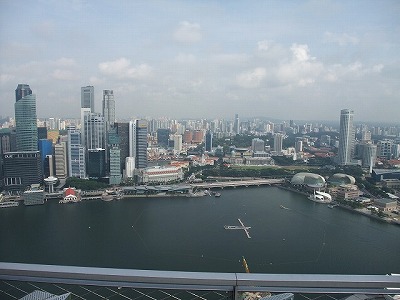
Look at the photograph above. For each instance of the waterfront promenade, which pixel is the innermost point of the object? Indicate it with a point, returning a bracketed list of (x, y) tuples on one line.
[(236, 183)]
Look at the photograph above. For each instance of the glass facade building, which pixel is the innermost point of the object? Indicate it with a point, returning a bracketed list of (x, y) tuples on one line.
[(346, 137), (25, 119)]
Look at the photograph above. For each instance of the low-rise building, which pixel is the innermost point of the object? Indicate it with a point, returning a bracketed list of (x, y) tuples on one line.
[(386, 204), (34, 197), (161, 174), (347, 192), (391, 183)]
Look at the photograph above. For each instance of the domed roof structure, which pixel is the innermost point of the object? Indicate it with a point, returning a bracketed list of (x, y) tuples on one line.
[(340, 178), (310, 179)]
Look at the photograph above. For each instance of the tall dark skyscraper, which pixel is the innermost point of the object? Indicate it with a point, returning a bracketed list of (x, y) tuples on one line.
[(208, 142), (87, 97), (346, 137), (25, 119)]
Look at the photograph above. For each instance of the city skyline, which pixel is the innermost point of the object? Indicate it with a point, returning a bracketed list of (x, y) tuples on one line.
[(303, 60)]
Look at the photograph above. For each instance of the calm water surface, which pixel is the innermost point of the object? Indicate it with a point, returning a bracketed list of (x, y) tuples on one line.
[(188, 234)]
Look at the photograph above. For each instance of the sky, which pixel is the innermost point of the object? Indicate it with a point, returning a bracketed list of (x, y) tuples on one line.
[(301, 60)]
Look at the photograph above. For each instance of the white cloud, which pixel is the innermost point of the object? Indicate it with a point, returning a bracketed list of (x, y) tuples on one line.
[(302, 70), (301, 53), (251, 79), (65, 75), (121, 68), (188, 32), (342, 39), (263, 45)]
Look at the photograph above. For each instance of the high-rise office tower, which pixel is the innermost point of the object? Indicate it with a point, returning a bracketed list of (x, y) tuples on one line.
[(108, 108), (208, 141), (236, 125), (25, 119), (278, 142), (21, 169), (257, 145), (369, 155), (60, 160), (346, 137), (177, 138), (93, 128), (385, 148), (123, 135), (76, 154), (87, 97), (138, 143), (163, 137)]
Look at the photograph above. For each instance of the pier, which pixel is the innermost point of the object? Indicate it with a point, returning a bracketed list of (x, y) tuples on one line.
[(236, 183), (242, 227)]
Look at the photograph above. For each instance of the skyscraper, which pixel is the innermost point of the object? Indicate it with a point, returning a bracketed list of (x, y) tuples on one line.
[(93, 128), (208, 141), (25, 119), (346, 137), (278, 142), (87, 97), (108, 108), (76, 154), (236, 125), (138, 143)]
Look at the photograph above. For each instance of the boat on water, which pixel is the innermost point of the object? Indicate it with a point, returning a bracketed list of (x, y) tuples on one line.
[(332, 205), (6, 204), (283, 207), (320, 197), (217, 195)]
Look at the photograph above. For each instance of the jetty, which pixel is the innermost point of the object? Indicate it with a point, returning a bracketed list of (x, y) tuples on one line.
[(241, 227)]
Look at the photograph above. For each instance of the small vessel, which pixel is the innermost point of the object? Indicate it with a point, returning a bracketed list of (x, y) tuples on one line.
[(217, 195), (320, 197), (283, 207), (332, 205), (8, 204)]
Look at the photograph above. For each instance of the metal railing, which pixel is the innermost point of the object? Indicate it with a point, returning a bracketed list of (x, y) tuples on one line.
[(229, 283)]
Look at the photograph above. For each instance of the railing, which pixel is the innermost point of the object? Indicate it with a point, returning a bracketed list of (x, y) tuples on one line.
[(230, 284)]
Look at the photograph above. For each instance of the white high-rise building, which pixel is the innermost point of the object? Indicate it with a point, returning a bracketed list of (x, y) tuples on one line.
[(60, 158), (177, 142), (257, 145), (108, 108), (346, 137), (278, 142), (76, 154)]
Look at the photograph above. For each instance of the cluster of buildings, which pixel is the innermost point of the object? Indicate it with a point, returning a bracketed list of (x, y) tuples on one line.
[(97, 146)]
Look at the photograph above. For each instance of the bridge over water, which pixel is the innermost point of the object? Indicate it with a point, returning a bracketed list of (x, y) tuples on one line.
[(237, 183)]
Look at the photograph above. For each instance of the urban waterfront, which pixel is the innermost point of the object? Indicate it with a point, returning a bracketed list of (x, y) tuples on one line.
[(188, 234)]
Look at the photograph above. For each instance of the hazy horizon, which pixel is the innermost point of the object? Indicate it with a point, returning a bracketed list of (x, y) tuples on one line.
[(300, 60)]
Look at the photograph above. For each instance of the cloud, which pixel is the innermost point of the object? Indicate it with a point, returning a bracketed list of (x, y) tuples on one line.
[(263, 45), (121, 68), (301, 53), (188, 33), (302, 70), (342, 39), (65, 75), (251, 79)]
